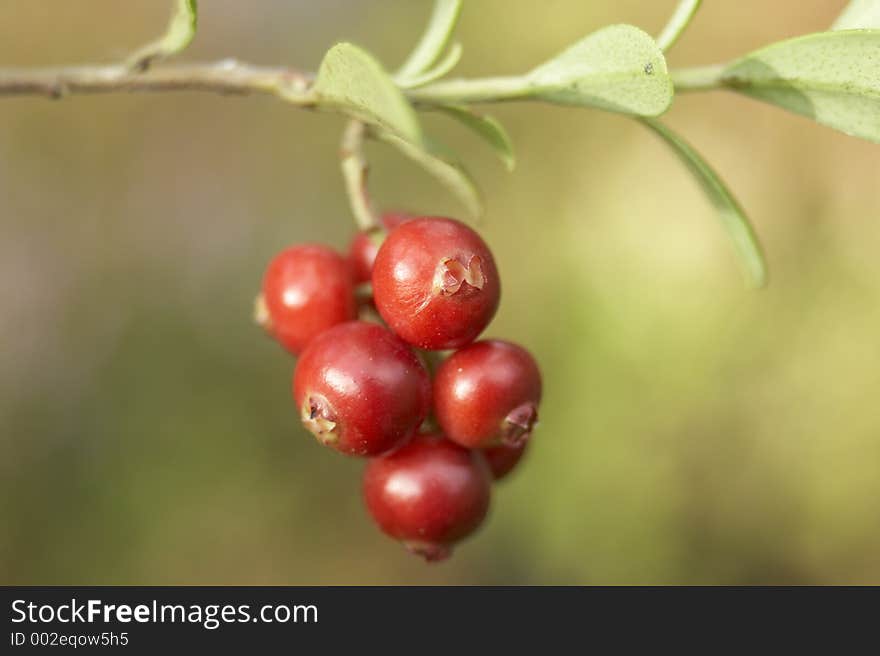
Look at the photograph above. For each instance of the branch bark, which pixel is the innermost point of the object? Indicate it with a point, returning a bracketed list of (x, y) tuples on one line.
[(224, 77)]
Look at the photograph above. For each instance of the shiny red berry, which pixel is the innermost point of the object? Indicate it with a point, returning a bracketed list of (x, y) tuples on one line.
[(503, 458), (360, 389), (306, 289), (429, 494), (365, 245), (488, 393), (435, 283)]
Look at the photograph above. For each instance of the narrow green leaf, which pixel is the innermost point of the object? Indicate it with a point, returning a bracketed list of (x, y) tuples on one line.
[(618, 69), (180, 33), (351, 81), (859, 14), (487, 127), (444, 167), (830, 77), (434, 40), (678, 22), (732, 216), (453, 56)]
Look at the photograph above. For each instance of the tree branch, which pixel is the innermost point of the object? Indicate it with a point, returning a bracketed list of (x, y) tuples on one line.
[(225, 77)]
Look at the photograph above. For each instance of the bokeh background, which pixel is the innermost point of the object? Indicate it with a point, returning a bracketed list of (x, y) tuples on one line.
[(693, 431)]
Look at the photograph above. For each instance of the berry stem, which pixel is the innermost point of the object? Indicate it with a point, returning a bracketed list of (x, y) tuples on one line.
[(432, 359), (355, 170)]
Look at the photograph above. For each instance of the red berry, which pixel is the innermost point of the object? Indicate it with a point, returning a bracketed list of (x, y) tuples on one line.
[(365, 245), (488, 393), (503, 458), (435, 283), (429, 494), (360, 389), (306, 289)]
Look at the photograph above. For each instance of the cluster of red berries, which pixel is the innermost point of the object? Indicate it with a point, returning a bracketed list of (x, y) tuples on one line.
[(363, 388)]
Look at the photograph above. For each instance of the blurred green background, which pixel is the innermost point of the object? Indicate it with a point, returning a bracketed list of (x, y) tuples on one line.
[(693, 431)]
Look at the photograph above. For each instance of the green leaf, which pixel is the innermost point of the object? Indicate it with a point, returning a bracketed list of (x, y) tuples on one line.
[(442, 68), (351, 81), (859, 14), (486, 127), (677, 24), (618, 69), (830, 77), (731, 214), (434, 40), (444, 167), (180, 33)]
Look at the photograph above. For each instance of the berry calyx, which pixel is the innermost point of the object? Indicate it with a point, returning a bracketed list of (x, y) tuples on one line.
[(428, 494), (452, 274), (320, 419), (503, 458), (518, 424), (435, 283), (365, 245), (487, 394), (306, 289), (360, 389)]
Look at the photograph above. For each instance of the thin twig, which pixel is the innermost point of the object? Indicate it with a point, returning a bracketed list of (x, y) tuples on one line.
[(699, 78), (225, 77), (233, 77)]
